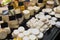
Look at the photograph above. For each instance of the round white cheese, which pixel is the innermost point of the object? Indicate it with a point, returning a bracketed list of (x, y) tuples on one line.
[(15, 33), (32, 37), (26, 38), (48, 16), (21, 29), (52, 13), (52, 22), (54, 18), (35, 31), (26, 33), (40, 35), (45, 10), (21, 35), (58, 24)]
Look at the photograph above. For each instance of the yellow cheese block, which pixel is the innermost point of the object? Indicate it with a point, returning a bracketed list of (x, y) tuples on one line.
[(17, 39)]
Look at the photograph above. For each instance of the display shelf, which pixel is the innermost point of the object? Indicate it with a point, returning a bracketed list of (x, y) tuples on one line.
[(51, 34)]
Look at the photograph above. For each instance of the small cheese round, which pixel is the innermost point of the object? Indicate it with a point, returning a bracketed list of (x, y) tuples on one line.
[(21, 35), (43, 18), (26, 38), (52, 13), (50, 2), (57, 15), (40, 35), (58, 24), (42, 30), (35, 31), (36, 8), (30, 8), (54, 18), (21, 29), (26, 11), (8, 30), (41, 13), (52, 22), (17, 11), (45, 10), (30, 30), (45, 26), (48, 16), (32, 37), (26, 33), (15, 33)]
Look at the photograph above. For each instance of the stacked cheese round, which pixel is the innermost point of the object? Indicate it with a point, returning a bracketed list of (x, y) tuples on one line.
[(30, 34)]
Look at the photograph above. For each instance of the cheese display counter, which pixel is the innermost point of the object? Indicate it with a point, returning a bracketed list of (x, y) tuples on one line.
[(29, 19)]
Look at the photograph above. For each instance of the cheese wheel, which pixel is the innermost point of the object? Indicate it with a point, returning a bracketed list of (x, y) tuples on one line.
[(3, 34)]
